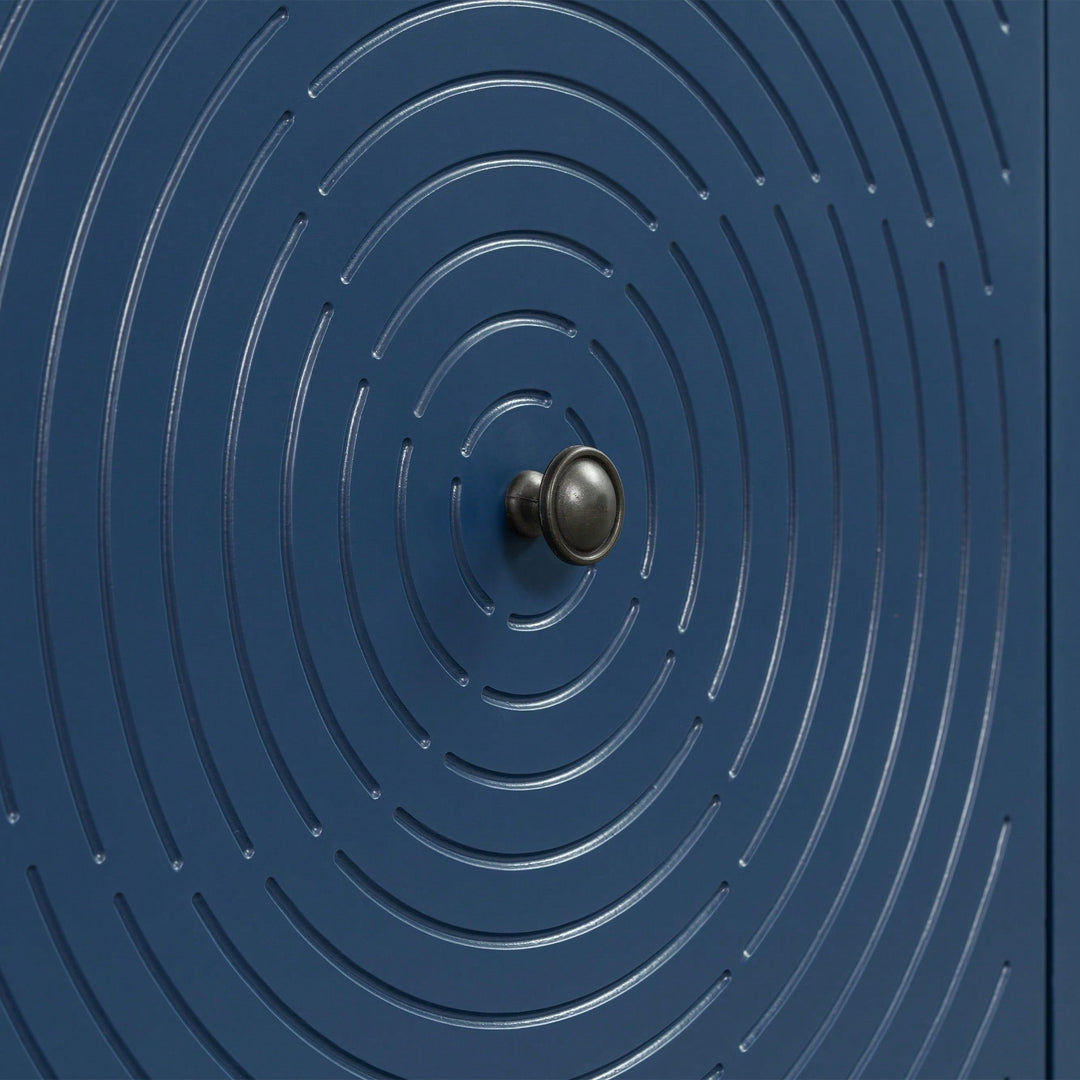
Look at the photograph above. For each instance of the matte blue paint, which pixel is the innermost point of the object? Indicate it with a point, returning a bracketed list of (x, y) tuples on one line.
[(262, 616)]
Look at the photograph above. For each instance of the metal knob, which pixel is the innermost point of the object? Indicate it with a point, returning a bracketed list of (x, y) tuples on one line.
[(577, 503)]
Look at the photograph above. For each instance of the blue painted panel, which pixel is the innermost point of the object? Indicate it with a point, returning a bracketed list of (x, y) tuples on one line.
[(1063, 22), (314, 769)]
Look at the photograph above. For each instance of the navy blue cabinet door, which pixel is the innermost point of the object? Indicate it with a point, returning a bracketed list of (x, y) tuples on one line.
[(315, 768)]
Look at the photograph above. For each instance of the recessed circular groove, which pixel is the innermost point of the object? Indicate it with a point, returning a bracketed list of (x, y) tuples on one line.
[(781, 7), (43, 135), (762, 79), (663, 343), (1002, 15), (516, 399), (168, 481), (423, 623), (732, 379), (980, 86), (169, 188), (545, 699), (348, 574), (580, 428), (911, 665), (660, 1040), (51, 369), (995, 998), (486, 245), (965, 955), (509, 320), (914, 832), (990, 701), (90, 1000), (526, 939), (228, 532), (50, 373), (954, 144), (26, 1037), (988, 710), (580, 766), (7, 792), (10, 29), (622, 384), (874, 619), (522, 159), (388, 31), (288, 1016), (843, 7), (288, 563), (784, 615), (544, 620), (199, 1031), (533, 860), (468, 1018), (506, 80), (457, 541), (829, 619)]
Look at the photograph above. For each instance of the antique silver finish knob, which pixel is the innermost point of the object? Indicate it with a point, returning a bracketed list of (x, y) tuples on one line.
[(577, 503)]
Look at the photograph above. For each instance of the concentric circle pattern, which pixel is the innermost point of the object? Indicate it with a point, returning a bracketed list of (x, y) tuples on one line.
[(313, 767)]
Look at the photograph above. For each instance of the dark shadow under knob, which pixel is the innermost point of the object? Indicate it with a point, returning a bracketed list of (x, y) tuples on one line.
[(576, 503)]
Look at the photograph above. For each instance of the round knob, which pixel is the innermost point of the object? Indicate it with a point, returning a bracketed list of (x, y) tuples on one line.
[(577, 503)]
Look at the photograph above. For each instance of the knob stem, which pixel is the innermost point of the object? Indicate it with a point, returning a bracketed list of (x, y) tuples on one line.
[(523, 503)]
